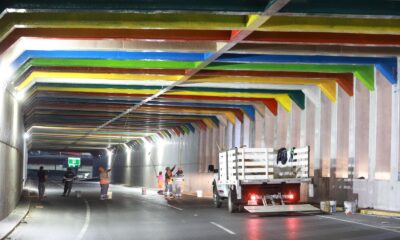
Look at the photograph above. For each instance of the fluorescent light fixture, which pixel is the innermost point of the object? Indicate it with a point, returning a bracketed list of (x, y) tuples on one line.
[(161, 142), (6, 71), (127, 148), (148, 145), (20, 96), (27, 135), (109, 152)]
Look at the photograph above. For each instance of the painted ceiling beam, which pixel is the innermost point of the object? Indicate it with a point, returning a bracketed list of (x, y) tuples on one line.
[(387, 66), (328, 86), (282, 96), (248, 109), (325, 38), (112, 55), (345, 80), (126, 20), (365, 73), (271, 104), (220, 6), (344, 7), (316, 49), (230, 113), (332, 24)]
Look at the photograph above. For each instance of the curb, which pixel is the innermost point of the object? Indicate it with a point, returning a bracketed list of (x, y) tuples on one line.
[(381, 213), (24, 207)]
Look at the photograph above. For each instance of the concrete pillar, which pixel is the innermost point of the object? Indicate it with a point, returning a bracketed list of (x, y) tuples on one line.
[(247, 132), (343, 130), (259, 131), (282, 127), (237, 133), (229, 135), (326, 134), (362, 130), (294, 134), (384, 127), (270, 129), (318, 134), (310, 132)]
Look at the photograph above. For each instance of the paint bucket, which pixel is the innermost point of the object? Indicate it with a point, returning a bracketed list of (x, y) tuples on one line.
[(349, 207), (78, 194), (199, 193), (324, 206), (109, 195), (144, 191), (332, 206)]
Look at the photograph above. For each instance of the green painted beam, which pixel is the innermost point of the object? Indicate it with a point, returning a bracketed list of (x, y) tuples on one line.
[(43, 62)]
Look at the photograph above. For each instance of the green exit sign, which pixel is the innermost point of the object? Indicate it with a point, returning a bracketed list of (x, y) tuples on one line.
[(74, 162)]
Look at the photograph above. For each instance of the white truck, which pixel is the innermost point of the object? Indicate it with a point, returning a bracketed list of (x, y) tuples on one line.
[(254, 179)]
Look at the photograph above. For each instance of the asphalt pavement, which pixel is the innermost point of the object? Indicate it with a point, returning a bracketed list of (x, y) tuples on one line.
[(131, 215)]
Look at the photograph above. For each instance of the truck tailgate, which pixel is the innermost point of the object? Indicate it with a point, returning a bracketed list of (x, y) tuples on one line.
[(282, 208)]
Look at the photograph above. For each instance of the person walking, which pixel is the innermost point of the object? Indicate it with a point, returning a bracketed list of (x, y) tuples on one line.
[(104, 182), (168, 181), (178, 182), (42, 179), (68, 179)]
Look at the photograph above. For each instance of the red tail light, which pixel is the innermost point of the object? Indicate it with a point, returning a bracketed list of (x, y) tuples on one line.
[(253, 197), (290, 196)]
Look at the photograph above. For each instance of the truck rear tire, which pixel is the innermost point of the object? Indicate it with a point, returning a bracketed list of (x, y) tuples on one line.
[(232, 201), (217, 199)]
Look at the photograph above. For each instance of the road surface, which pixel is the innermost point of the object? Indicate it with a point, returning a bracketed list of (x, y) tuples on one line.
[(129, 215)]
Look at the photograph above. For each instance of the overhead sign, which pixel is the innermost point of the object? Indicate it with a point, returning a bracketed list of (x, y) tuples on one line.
[(74, 162)]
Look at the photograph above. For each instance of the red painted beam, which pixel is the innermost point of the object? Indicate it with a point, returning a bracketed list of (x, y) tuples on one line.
[(99, 33), (325, 38)]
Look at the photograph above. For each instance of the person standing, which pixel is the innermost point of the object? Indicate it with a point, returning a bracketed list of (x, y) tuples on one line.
[(42, 179), (160, 182), (68, 179), (178, 182), (104, 182), (168, 181)]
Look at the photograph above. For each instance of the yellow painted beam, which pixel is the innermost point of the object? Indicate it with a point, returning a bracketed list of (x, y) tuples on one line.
[(332, 24), (228, 114), (91, 76), (283, 99), (328, 86), (119, 20)]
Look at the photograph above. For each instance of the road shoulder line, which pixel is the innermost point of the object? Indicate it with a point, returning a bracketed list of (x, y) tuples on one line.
[(87, 221)]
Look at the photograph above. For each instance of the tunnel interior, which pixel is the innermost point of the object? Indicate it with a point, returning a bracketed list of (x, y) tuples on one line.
[(147, 86)]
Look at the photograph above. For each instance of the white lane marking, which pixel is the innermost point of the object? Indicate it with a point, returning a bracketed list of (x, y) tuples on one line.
[(362, 224), (223, 228), (180, 209), (87, 220)]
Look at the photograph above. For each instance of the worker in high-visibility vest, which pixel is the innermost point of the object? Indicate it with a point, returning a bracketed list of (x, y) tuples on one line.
[(160, 182), (104, 182)]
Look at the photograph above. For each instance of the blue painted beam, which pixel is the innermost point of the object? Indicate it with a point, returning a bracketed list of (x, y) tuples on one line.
[(114, 55)]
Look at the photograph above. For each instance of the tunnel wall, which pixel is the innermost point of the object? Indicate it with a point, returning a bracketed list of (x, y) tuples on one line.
[(11, 153), (354, 146)]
